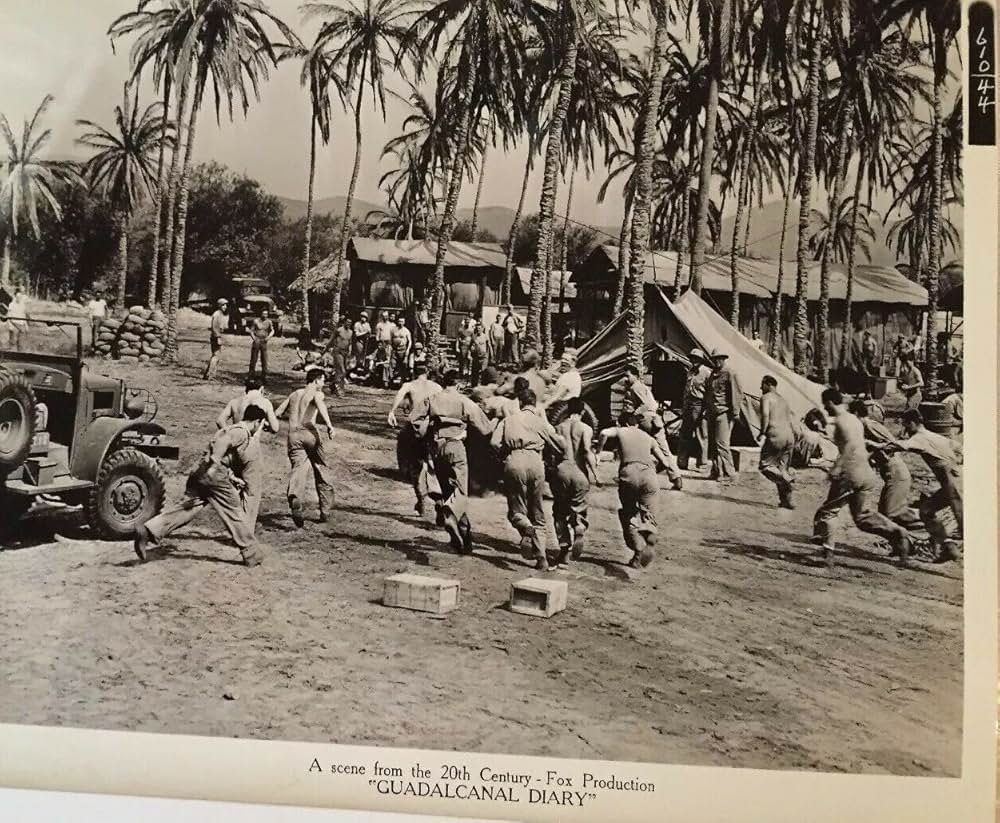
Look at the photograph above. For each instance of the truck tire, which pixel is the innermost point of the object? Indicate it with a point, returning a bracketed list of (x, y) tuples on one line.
[(17, 420), (129, 490)]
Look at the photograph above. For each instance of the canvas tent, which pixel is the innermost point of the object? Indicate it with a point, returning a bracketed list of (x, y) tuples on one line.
[(671, 331)]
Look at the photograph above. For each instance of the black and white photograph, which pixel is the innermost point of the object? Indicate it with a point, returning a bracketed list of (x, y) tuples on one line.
[(563, 378)]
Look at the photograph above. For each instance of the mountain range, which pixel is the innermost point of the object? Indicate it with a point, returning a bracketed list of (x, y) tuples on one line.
[(765, 226)]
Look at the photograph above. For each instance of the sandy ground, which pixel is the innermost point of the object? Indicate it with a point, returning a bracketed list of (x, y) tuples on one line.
[(734, 648)]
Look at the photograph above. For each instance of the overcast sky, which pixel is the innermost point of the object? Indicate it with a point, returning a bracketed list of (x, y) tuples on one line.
[(60, 47)]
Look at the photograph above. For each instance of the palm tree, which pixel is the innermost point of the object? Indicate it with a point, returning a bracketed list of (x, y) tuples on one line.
[(122, 169), (715, 23), (639, 246), (318, 76), (160, 34), (832, 239), (807, 170), (361, 39), (485, 43), (28, 182)]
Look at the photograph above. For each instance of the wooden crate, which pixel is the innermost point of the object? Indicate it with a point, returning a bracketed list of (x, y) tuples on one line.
[(538, 597), (422, 594), (746, 458)]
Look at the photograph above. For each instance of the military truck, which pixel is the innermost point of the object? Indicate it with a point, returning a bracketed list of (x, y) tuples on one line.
[(71, 435)]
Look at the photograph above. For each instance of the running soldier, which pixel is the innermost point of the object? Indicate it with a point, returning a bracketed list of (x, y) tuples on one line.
[(570, 483), (229, 479), (649, 419), (853, 483), (410, 447), (253, 395), (520, 439), (306, 449), (939, 455), (444, 419), (777, 439), (638, 454)]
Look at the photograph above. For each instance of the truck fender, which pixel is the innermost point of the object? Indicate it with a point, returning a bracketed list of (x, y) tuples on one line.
[(95, 441)]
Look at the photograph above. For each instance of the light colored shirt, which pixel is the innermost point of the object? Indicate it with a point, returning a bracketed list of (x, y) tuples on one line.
[(722, 393), (953, 404), (361, 328), (936, 449), (261, 329), (526, 430), (642, 396), (694, 388), (448, 414), (218, 323), (512, 324), (568, 385), (384, 330), (17, 310), (97, 309)]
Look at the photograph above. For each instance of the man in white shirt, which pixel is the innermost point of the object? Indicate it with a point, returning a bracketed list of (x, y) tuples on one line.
[(513, 325), (362, 336), (17, 317), (569, 384), (97, 310)]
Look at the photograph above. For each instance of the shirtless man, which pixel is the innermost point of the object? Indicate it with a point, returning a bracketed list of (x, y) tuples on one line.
[(853, 483), (410, 448), (570, 483), (777, 439), (253, 396), (402, 345), (306, 448), (482, 354), (340, 344), (638, 454), (465, 334), (530, 372)]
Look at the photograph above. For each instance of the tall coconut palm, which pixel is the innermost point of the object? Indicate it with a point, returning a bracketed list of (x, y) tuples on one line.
[(715, 23), (361, 38), (317, 75), (122, 167), (225, 42), (639, 246), (482, 43), (28, 181), (807, 170), (570, 32)]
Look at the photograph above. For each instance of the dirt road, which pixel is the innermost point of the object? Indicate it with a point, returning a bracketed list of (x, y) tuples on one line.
[(732, 649)]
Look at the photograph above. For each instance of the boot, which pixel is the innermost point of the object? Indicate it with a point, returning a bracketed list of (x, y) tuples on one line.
[(465, 532), (577, 545), (296, 507), (141, 542)]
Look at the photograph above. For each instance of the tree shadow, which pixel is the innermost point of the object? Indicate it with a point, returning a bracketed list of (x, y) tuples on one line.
[(611, 568), (724, 498)]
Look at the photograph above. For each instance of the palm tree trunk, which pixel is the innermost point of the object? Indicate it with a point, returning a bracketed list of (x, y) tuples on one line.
[(546, 323), (934, 232), (635, 329), (839, 173), (479, 193), (338, 280), (624, 242), (845, 344), (177, 262), (169, 209), (564, 263), (774, 343), (447, 226), (7, 249), (515, 225), (546, 209), (154, 266), (749, 215), (122, 221), (307, 248), (805, 205), (734, 270)]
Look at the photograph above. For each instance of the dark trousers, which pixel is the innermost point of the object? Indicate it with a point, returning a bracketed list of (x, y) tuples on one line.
[(258, 349)]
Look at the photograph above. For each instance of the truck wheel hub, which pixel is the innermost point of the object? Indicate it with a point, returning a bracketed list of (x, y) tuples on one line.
[(128, 495), (11, 424)]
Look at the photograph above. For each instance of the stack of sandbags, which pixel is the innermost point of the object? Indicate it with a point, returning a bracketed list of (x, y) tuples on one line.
[(107, 334), (139, 338)]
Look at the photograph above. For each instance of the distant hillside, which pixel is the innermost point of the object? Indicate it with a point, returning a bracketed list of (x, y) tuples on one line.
[(296, 209), (765, 234)]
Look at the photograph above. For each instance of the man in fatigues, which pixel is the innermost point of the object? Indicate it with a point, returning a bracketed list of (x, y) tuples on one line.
[(261, 331), (496, 335), (229, 478), (939, 455), (853, 483), (513, 325), (723, 400), (410, 447), (883, 451), (217, 329), (443, 418), (339, 345), (638, 454), (777, 439), (694, 426), (306, 449), (649, 419), (481, 352), (530, 373), (911, 383), (362, 340), (520, 439), (570, 482)]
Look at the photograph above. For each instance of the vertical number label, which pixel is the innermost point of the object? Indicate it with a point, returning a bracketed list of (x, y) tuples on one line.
[(982, 76)]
